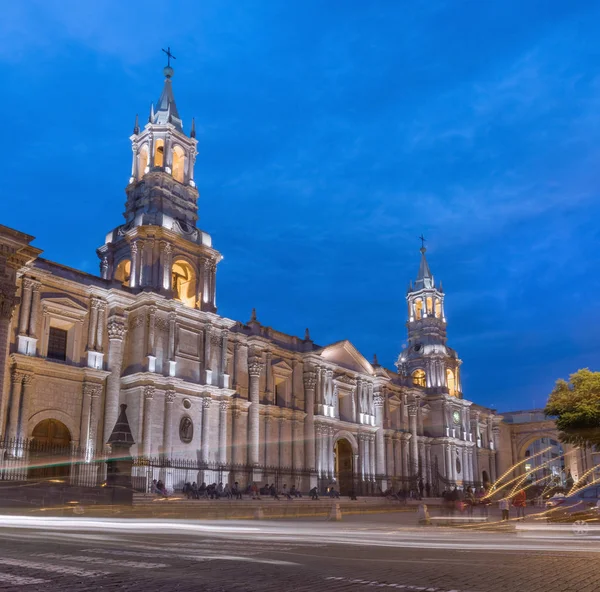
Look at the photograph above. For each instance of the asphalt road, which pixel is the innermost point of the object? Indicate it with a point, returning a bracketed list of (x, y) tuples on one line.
[(77, 554)]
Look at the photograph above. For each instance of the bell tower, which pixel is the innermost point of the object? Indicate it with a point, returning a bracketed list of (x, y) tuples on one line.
[(159, 247), (427, 361)]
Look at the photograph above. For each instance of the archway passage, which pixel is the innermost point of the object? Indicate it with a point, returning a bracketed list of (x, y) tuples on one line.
[(49, 450), (344, 466)]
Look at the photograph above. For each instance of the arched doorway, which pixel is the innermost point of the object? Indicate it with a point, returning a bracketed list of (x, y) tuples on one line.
[(49, 450), (344, 466), (485, 478)]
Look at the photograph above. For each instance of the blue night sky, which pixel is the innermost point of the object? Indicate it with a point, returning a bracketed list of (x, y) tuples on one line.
[(331, 134)]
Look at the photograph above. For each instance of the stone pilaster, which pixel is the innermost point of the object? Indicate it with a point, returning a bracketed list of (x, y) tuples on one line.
[(15, 403), (168, 424), (147, 437), (28, 391), (205, 446), (414, 443), (223, 407), (116, 334), (310, 381), (255, 367)]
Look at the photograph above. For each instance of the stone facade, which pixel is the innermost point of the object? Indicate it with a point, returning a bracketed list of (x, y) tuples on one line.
[(212, 390)]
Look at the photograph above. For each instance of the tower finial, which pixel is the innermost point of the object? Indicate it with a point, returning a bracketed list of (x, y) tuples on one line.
[(423, 241), (253, 316), (168, 71), (307, 335), (136, 127), (193, 130)]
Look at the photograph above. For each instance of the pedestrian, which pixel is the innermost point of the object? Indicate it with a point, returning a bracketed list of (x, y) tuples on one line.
[(421, 488), (203, 491), (520, 501), (470, 501), (273, 492), (503, 505), (194, 490), (254, 491), (285, 492), (227, 491), (314, 495)]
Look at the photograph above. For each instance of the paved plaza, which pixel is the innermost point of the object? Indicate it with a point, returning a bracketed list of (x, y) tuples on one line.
[(359, 553)]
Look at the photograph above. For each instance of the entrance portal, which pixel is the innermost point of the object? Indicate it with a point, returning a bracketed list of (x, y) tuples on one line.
[(344, 466), (50, 450)]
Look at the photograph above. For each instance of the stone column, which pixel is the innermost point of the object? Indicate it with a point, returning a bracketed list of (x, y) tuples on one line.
[(94, 418), (404, 463), (93, 325), (25, 305), (297, 439), (389, 445), (237, 457), (116, 333), (100, 327), (448, 450), (172, 331), (224, 375), (370, 450), (166, 264), (397, 455), (330, 458), (204, 448), (310, 380), (378, 401), (84, 425), (422, 471), (414, 444), (255, 367), (213, 284), (223, 406), (269, 398), (319, 452), (147, 438), (35, 310), (493, 475), (8, 301), (168, 425), (429, 475), (134, 270), (236, 349), (15, 403), (28, 391)]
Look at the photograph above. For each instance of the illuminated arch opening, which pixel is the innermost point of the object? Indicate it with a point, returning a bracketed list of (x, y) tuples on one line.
[(123, 272), (429, 305), (183, 282), (178, 163), (418, 309), (142, 161), (419, 378), (159, 153), (438, 308), (451, 382)]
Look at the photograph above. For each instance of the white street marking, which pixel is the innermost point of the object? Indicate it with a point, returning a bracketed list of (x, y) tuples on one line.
[(20, 580), (406, 587), (102, 560), (65, 570)]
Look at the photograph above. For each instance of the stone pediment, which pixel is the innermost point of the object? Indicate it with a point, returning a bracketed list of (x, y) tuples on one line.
[(344, 354), (283, 367), (64, 302)]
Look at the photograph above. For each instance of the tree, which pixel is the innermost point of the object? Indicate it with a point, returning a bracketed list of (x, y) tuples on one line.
[(576, 408)]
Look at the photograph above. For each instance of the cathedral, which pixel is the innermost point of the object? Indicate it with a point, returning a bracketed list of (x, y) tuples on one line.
[(210, 398)]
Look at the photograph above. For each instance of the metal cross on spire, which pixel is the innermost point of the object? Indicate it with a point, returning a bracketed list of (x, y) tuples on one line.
[(169, 56), (423, 241)]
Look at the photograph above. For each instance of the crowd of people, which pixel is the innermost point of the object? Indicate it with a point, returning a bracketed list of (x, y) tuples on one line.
[(466, 501)]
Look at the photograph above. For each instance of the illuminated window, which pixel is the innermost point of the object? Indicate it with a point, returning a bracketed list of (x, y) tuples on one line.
[(183, 283), (159, 153), (123, 272), (418, 309), (142, 160), (178, 163), (429, 305), (438, 308), (419, 378), (451, 382)]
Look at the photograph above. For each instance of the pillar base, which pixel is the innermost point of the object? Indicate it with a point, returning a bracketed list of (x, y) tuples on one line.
[(151, 363), (26, 345), (95, 360)]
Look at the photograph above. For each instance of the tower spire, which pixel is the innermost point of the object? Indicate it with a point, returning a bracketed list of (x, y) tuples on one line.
[(424, 277)]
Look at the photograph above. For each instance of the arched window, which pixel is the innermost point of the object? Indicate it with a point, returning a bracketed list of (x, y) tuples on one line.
[(438, 308), (418, 309), (142, 161), (419, 378), (429, 306), (183, 282), (451, 382), (178, 163), (159, 153), (123, 272)]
